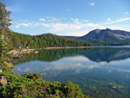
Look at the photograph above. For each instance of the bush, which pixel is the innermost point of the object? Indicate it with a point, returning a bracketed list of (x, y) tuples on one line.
[(32, 86), (33, 76)]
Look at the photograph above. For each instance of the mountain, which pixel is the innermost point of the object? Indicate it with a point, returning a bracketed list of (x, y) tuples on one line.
[(106, 36)]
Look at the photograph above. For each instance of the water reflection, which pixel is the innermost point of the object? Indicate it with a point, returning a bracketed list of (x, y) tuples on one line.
[(107, 54), (93, 54), (76, 63), (95, 70)]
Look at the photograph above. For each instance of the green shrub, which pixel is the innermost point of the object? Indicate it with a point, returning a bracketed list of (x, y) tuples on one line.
[(32, 86), (33, 76)]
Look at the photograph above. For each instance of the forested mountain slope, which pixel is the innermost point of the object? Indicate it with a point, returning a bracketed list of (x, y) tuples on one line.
[(44, 40)]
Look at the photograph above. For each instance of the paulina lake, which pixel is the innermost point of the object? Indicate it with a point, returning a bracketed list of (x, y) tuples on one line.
[(101, 72)]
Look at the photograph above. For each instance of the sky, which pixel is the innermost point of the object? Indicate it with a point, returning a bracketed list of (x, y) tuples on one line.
[(67, 17)]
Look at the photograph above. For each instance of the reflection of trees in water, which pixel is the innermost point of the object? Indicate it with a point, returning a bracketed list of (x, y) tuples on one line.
[(94, 54), (51, 55)]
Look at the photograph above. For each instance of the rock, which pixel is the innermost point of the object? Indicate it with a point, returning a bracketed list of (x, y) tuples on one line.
[(114, 86), (3, 81), (0, 70), (42, 92), (36, 52), (10, 65), (22, 90)]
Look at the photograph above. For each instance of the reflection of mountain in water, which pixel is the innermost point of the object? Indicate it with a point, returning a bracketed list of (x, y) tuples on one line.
[(94, 54), (107, 54)]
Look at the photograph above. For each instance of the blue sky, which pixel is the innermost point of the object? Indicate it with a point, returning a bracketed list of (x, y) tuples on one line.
[(68, 17)]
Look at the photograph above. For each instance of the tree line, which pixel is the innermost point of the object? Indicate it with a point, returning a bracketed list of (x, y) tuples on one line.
[(44, 40)]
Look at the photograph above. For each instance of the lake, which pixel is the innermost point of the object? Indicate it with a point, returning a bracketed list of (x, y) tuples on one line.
[(101, 72)]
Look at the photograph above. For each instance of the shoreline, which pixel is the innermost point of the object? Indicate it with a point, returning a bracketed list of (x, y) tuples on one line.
[(66, 47), (24, 51)]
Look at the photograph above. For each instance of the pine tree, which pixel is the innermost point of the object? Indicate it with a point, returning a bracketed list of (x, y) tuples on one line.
[(4, 35)]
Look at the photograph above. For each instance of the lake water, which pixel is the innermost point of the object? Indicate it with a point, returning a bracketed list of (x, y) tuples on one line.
[(101, 72)]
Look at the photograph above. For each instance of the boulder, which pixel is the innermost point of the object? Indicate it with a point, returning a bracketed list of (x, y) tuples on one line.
[(3, 81), (22, 90), (0, 70), (10, 65)]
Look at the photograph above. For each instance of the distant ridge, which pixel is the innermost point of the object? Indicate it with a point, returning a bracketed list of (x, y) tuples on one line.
[(106, 36)]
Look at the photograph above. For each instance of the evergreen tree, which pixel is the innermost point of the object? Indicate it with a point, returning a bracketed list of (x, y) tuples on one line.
[(4, 35)]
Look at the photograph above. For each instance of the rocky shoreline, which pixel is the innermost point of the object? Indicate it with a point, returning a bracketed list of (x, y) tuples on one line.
[(23, 51)]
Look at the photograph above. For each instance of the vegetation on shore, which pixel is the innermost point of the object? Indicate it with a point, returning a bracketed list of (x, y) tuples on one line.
[(32, 86)]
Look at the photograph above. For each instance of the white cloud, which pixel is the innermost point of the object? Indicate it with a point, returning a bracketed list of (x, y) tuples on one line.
[(17, 26), (92, 4), (72, 29), (77, 27), (85, 20), (45, 25), (118, 21), (122, 20), (75, 20), (24, 25), (108, 19), (126, 13), (52, 19), (42, 19)]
